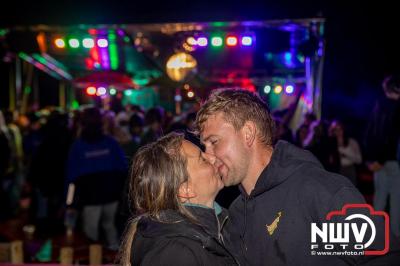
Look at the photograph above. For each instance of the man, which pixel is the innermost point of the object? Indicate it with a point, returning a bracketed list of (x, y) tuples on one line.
[(283, 188), (382, 138)]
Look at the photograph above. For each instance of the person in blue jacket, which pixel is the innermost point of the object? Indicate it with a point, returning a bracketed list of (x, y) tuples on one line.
[(97, 167)]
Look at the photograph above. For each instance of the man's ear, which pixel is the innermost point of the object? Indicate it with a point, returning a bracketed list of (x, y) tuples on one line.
[(186, 191), (250, 132)]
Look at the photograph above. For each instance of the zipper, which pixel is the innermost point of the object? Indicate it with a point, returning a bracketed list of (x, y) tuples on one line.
[(220, 226), (221, 237), (245, 224), (201, 240)]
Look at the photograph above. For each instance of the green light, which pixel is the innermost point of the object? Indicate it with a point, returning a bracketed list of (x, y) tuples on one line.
[(141, 81), (39, 58), (216, 41), (300, 58), (113, 51), (112, 36), (74, 43), (45, 252), (274, 100), (27, 90), (3, 32), (126, 39), (128, 92), (219, 24), (23, 55), (145, 97), (75, 104), (113, 91)]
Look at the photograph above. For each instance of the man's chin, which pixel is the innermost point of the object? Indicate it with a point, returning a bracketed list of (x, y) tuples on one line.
[(227, 182)]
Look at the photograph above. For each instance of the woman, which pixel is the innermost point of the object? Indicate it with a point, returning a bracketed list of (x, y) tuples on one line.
[(173, 187), (323, 146), (349, 151)]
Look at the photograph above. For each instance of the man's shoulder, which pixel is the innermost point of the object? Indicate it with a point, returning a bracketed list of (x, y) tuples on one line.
[(325, 192), (316, 188), (308, 177)]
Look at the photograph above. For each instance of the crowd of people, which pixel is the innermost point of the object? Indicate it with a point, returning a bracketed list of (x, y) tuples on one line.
[(42, 153)]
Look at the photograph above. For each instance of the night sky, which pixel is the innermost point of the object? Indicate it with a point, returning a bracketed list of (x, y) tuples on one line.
[(361, 47)]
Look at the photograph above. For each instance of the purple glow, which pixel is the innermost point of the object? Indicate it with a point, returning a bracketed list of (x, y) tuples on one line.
[(247, 40), (105, 58), (289, 89), (102, 43), (202, 41)]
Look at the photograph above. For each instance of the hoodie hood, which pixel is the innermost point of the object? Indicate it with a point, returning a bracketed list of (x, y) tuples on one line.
[(286, 159)]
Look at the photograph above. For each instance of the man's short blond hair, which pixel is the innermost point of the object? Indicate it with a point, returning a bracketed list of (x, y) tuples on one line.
[(237, 107)]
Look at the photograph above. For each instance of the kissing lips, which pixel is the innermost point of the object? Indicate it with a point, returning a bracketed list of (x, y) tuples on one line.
[(221, 171)]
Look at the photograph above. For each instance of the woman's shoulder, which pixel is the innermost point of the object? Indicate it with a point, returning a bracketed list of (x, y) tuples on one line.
[(174, 251), (177, 243), (167, 243), (170, 226), (180, 250)]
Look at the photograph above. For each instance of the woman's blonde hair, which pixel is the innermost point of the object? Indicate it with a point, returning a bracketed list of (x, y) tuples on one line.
[(158, 170)]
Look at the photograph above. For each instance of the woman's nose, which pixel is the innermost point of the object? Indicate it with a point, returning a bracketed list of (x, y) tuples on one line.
[(210, 157)]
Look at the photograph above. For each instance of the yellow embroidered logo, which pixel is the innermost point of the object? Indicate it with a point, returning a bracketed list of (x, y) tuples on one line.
[(271, 228)]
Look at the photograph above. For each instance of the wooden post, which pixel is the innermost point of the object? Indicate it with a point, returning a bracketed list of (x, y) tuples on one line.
[(12, 96), (27, 89), (66, 256), (71, 97), (18, 83), (61, 95), (4, 252), (95, 255), (36, 93), (17, 253)]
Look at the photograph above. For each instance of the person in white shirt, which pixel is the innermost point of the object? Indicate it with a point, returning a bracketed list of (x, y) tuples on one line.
[(349, 151)]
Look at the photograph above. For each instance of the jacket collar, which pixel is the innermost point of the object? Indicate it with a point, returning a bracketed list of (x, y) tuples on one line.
[(174, 223)]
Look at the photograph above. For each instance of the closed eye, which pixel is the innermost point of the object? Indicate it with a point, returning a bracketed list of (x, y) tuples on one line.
[(213, 142)]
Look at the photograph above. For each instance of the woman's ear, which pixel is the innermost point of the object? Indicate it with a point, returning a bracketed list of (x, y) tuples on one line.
[(186, 191)]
